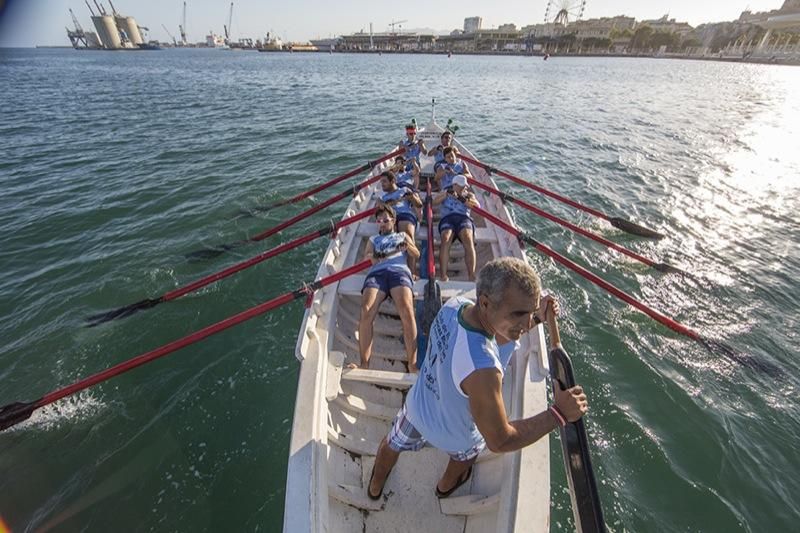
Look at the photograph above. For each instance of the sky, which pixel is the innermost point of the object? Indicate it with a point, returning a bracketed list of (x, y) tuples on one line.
[(41, 22)]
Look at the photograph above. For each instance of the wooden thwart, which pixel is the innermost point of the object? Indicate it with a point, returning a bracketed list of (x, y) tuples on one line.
[(351, 286), (352, 444), (354, 496), (355, 404), (470, 504), (399, 380)]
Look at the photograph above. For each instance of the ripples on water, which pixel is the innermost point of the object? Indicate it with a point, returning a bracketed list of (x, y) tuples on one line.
[(115, 165)]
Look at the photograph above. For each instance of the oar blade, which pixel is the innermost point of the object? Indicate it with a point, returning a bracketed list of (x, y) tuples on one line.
[(211, 253), (432, 304), (634, 229), (586, 506), (669, 269), (121, 312), (754, 363), (205, 254), (14, 413)]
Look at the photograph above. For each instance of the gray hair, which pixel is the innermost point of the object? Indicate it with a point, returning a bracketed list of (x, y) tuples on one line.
[(507, 273)]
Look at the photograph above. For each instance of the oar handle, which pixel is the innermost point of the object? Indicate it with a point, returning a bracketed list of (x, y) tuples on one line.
[(552, 326)]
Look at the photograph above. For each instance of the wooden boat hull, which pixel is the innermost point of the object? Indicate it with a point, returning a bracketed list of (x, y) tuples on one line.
[(341, 415)]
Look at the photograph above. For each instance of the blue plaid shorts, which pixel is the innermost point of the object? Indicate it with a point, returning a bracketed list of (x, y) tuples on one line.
[(404, 437)]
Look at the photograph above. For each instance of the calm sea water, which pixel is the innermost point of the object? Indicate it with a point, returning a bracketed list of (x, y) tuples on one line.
[(114, 165)]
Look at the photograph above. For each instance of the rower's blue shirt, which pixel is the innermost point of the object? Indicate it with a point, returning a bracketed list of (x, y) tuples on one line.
[(386, 248), (451, 170), (438, 155), (396, 200), (412, 149), (406, 179), (436, 405), (453, 206)]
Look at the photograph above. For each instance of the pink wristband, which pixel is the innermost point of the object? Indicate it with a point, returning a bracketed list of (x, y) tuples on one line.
[(558, 416)]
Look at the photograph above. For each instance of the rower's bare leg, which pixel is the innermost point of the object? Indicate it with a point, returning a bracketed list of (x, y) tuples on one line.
[(468, 241), (404, 301), (409, 228), (444, 254), (454, 472), (385, 460), (371, 300)]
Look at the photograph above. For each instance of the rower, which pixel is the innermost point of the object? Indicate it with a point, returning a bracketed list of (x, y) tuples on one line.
[(389, 276), (446, 170), (406, 204), (407, 172), (411, 144), (455, 220), (438, 151)]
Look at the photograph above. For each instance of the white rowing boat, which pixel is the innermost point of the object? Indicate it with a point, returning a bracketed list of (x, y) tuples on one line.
[(341, 414)]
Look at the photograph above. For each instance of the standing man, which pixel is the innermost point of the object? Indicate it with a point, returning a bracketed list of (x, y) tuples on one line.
[(456, 404)]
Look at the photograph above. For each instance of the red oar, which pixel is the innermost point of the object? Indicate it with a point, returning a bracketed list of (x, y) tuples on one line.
[(233, 269), (209, 253), (17, 412), (662, 267), (711, 344), (369, 165), (617, 222)]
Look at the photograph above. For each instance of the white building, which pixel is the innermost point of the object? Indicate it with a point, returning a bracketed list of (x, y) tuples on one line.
[(472, 24), (601, 28), (668, 25)]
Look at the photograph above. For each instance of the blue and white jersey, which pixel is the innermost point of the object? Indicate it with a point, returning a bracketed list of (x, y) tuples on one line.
[(453, 206), (451, 170), (396, 201), (436, 405), (406, 179), (412, 149), (438, 155), (385, 248)]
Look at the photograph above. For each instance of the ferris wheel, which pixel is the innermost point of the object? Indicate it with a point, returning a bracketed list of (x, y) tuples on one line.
[(562, 12)]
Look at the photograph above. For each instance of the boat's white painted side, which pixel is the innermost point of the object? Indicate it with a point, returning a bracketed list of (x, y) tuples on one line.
[(340, 416)]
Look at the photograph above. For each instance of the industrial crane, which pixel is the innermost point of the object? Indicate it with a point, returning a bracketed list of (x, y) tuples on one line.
[(182, 27), (174, 42), (227, 27), (397, 23), (77, 37)]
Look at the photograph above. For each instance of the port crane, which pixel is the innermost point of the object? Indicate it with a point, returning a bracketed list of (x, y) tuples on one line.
[(182, 27), (398, 23), (227, 27), (78, 36), (174, 41)]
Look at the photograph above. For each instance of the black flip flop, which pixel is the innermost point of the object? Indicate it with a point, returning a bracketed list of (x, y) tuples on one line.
[(440, 494)]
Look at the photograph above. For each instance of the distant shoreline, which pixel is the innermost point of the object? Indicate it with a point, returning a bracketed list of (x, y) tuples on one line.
[(752, 60)]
